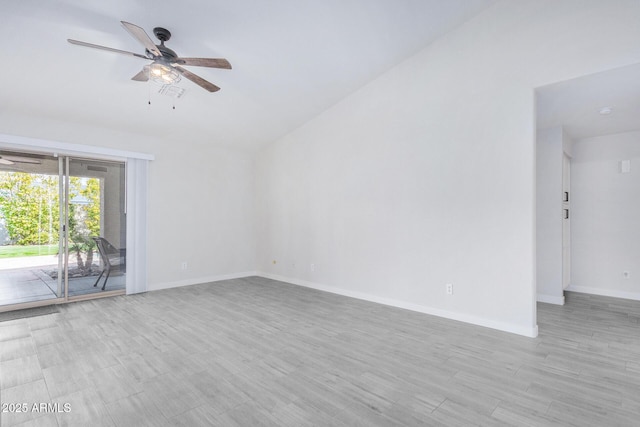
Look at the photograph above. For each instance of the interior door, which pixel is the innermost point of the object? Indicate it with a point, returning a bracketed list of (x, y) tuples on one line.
[(566, 221)]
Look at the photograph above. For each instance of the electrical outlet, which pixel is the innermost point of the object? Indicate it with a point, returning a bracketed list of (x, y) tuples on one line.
[(184, 265), (449, 288), (312, 267), (626, 274)]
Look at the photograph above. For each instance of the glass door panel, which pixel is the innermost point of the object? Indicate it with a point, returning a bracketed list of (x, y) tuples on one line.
[(96, 227), (30, 260)]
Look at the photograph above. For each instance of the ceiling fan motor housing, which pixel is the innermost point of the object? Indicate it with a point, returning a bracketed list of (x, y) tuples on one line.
[(167, 53), (164, 35)]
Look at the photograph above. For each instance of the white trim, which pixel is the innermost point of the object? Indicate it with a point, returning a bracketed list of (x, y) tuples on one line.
[(199, 280), (551, 299), (475, 320), (605, 292), (32, 304), (67, 149)]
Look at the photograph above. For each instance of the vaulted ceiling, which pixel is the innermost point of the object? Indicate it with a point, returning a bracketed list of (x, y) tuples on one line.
[(291, 60)]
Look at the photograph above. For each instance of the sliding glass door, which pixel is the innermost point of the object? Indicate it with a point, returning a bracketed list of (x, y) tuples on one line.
[(96, 238), (31, 254), (62, 229)]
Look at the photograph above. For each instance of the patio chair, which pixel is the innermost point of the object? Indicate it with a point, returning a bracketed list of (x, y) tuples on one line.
[(111, 257)]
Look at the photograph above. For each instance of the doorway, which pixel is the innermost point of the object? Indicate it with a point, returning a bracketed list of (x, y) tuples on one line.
[(52, 210), (587, 142)]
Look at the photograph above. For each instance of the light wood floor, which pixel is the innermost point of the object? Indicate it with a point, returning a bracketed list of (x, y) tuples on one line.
[(254, 352)]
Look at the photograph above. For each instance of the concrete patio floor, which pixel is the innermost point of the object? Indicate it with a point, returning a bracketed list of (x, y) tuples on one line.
[(24, 280)]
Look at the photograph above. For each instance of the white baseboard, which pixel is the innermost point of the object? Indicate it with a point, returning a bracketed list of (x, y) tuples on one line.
[(551, 299), (605, 292), (199, 280), (474, 320)]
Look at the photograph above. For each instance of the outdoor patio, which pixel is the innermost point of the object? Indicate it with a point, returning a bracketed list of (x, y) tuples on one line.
[(27, 280)]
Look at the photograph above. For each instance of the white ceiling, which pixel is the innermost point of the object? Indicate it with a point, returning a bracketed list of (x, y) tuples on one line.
[(576, 104), (291, 60)]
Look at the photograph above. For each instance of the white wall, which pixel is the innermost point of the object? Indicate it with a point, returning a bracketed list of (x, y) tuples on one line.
[(606, 216), (200, 200), (567, 144), (426, 176), (549, 152), (201, 211)]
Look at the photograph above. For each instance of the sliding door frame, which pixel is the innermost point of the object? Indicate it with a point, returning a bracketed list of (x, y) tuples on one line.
[(135, 205)]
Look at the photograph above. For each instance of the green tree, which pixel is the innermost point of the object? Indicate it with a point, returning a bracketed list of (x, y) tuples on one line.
[(29, 207), (84, 218)]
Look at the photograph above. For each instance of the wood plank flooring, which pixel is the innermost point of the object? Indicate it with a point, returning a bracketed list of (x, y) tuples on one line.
[(257, 352)]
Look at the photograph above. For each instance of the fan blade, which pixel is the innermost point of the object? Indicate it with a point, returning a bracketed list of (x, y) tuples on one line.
[(110, 49), (197, 79), (142, 76), (205, 62), (19, 159), (140, 35)]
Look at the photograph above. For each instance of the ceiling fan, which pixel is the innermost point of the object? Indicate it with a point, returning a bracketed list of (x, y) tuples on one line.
[(166, 67), (12, 160)]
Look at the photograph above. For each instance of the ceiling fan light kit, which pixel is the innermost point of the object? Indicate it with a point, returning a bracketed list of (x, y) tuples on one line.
[(163, 74), (166, 66), (172, 91)]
